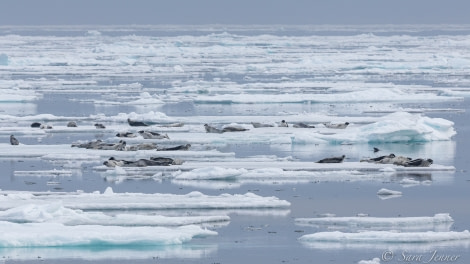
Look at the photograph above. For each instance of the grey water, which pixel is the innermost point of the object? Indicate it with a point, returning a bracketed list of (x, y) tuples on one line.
[(258, 236)]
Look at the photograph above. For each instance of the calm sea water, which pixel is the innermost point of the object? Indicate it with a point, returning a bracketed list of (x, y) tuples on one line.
[(260, 236)]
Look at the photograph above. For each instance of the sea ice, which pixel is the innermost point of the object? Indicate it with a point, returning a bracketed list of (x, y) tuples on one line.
[(384, 191), (55, 212), (439, 222), (128, 201), (59, 235), (372, 261), (385, 237)]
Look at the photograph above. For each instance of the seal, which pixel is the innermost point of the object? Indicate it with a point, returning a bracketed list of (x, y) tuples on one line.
[(332, 160), (99, 126), (258, 125), (72, 124), (378, 159), (233, 129), (126, 134), (303, 125), (143, 146), (136, 123), (35, 124), (336, 126), (211, 129), (180, 147), (13, 140), (88, 145), (283, 124), (419, 163), (152, 135)]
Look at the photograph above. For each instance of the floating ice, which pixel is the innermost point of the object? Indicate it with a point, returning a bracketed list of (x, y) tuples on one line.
[(180, 251), (44, 173), (438, 222), (385, 237), (372, 261), (59, 235), (384, 191), (128, 201)]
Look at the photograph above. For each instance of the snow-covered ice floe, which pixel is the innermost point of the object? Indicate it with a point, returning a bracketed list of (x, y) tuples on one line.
[(385, 237), (59, 235), (438, 222), (140, 201)]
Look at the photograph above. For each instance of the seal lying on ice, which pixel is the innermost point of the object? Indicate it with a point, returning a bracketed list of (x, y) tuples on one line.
[(378, 159), (418, 163), (136, 123), (258, 125), (303, 125), (180, 147), (336, 126), (126, 134), (152, 135), (332, 160), (283, 124)]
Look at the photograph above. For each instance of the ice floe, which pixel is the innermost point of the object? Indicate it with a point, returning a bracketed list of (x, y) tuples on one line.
[(387, 192), (439, 223), (55, 212), (372, 261), (385, 237), (59, 235), (109, 200)]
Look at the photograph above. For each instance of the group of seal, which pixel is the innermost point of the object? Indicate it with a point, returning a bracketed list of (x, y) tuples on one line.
[(387, 159), (99, 144), (400, 160), (123, 146), (153, 161), (283, 123)]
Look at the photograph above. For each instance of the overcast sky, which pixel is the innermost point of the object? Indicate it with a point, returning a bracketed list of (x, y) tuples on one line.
[(120, 12)]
